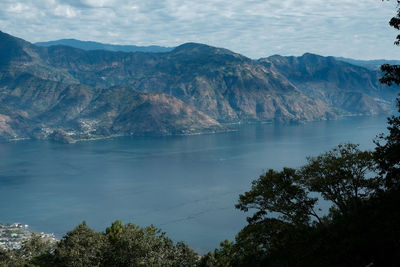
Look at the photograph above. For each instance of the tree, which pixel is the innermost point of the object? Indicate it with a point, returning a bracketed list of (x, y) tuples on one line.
[(280, 194), (35, 246), (387, 152), (392, 72), (183, 255), (131, 245), (221, 257), (80, 247), (285, 228), (120, 245), (5, 258), (340, 176), (37, 252)]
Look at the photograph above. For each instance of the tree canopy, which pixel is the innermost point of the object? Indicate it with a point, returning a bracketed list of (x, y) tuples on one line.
[(120, 245)]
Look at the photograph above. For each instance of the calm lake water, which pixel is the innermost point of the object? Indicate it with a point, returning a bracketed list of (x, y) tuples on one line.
[(185, 185)]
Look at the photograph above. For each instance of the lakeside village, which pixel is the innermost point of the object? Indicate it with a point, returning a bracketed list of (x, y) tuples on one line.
[(13, 235)]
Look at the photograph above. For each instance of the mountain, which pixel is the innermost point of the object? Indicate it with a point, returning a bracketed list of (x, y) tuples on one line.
[(89, 45), (40, 101), (36, 108), (369, 64), (347, 88), (66, 93), (227, 86)]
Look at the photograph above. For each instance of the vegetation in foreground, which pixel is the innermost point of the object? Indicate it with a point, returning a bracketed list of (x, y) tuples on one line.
[(120, 245)]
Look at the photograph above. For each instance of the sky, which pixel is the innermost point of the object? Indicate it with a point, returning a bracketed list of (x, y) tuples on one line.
[(255, 28)]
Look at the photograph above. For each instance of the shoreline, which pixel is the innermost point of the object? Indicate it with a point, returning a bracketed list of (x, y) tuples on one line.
[(226, 130)]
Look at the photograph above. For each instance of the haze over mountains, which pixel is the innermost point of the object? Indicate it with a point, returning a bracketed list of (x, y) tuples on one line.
[(369, 64), (89, 45), (66, 93)]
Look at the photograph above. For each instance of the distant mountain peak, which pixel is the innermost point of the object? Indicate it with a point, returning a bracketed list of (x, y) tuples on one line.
[(308, 54), (374, 64), (311, 55), (191, 46), (205, 52), (91, 45), (8, 38)]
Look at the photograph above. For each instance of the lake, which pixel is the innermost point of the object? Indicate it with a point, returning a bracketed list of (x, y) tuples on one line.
[(186, 185)]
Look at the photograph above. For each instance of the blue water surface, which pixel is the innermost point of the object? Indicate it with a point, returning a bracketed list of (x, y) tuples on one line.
[(186, 185)]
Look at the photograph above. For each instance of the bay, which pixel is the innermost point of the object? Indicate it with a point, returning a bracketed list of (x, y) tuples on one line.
[(185, 185)]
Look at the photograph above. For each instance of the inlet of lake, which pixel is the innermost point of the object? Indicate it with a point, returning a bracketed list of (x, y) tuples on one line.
[(185, 185)]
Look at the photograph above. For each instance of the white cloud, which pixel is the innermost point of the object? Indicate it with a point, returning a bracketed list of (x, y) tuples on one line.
[(254, 28), (100, 3), (17, 8), (65, 11)]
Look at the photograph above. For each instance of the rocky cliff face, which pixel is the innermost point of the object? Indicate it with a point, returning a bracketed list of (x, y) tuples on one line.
[(347, 88), (38, 100), (36, 108), (67, 93), (224, 85)]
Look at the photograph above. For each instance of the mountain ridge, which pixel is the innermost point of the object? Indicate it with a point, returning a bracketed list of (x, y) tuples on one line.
[(91, 45), (69, 94), (373, 64), (334, 82)]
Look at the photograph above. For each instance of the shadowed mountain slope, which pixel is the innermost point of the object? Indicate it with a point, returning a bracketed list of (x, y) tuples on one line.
[(227, 86), (67, 93), (36, 108), (343, 86)]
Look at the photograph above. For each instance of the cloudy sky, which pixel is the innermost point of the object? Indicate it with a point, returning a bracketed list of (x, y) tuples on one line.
[(255, 28)]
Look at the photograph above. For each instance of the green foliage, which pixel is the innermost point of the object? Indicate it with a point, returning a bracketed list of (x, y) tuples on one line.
[(34, 252), (80, 247), (120, 245), (340, 175), (115, 231), (278, 193), (285, 229), (35, 246), (387, 153), (131, 245), (5, 258), (225, 256), (183, 255), (392, 72)]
